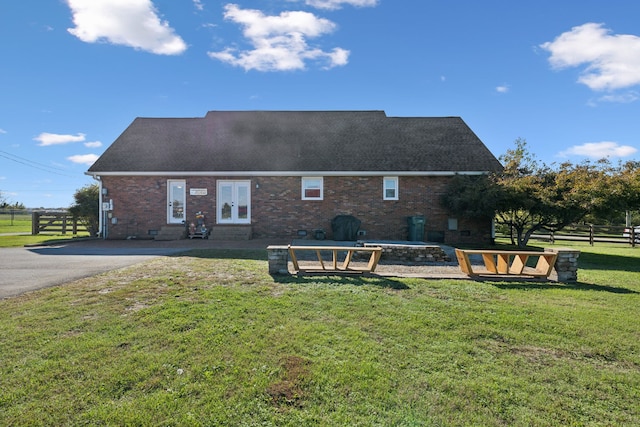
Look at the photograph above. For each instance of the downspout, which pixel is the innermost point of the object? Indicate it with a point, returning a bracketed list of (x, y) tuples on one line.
[(100, 212)]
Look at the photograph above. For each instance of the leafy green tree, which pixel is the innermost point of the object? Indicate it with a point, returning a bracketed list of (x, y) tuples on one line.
[(630, 184), (7, 205), (529, 197), (4, 203), (87, 207)]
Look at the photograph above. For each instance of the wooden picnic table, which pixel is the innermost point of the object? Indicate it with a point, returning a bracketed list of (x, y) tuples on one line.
[(334, 266), (497, 262)]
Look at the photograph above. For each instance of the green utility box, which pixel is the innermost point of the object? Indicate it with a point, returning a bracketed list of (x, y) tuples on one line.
[(416, 228)]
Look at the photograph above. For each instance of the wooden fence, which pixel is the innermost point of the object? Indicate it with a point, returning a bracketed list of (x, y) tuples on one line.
[(55, 222), (594, 234)]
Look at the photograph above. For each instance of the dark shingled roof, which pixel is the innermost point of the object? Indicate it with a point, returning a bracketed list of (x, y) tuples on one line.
[(297, 141)]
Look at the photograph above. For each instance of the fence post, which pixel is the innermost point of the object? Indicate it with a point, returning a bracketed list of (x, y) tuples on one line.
[(75, 226), (35, 223), (633, 236), (64, 224), (591, 234)]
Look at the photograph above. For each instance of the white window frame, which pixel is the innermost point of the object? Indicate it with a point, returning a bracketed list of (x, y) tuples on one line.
[(393, 180), (312, 183)]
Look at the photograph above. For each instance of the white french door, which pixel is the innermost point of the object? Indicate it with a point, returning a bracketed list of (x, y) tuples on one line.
[(234, 202), (176, 197)]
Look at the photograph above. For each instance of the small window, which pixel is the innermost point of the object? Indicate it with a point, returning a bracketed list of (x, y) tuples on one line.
[(312, 188), (390, 188)]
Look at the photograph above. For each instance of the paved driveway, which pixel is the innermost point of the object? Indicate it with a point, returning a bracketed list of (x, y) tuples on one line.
[(27, 269)]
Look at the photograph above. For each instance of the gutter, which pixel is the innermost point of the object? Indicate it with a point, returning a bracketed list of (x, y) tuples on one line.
[(288, 173)]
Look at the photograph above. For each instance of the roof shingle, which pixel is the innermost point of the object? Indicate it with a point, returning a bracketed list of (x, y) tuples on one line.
[(297, 141)]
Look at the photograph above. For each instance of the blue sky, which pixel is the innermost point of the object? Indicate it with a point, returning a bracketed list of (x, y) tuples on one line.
[(564, 75)]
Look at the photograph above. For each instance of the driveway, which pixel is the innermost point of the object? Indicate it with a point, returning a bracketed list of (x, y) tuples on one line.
[(31, 268), (28, 269)]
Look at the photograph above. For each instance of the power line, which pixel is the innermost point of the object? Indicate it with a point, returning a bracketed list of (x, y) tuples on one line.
[(32, 164), (42, 190), (30, 161)]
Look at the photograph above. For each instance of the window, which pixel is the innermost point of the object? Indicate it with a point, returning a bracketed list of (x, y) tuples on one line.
[(390, 188), (312, 188)]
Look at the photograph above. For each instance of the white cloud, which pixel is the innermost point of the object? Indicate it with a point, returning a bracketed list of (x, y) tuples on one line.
[(279, 42), (47, 139), (133, 23), (2, 130), (622, 98), (337, 4), (93, 144), (502, 88), (198, 4), (84, 159), (612, 61), (599, 150)]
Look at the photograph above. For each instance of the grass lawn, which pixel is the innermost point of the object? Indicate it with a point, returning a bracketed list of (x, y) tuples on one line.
[(22, 240), (18, 224), (209, 338), (22, 224)]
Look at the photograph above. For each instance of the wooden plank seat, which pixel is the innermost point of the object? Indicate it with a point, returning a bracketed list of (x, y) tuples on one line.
[(334, 266), (511, 263)]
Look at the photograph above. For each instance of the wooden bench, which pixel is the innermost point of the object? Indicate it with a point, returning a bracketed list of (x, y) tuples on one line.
[(334, 266), (507, 263)]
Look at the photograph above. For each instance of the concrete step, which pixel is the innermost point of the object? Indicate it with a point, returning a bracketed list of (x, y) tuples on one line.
[(231, 232), (171, 232)]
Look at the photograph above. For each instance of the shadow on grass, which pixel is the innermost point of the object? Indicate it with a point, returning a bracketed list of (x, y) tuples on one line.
[(594, 261), (586, 260), (575, 286), (337, 280), (302, 279), (254, 254)]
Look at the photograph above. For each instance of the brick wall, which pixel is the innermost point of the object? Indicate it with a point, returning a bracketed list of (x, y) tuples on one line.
[(278, 211)]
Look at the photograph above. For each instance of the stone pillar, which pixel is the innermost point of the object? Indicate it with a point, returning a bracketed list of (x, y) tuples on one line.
[(278, 259), (566, 264)]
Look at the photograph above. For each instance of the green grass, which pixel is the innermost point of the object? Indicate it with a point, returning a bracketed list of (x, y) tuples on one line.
[(19, 223), (209, 338), (22, 224), (22, 240)]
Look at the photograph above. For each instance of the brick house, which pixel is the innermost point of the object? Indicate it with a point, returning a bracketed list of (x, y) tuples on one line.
[(287, 174)]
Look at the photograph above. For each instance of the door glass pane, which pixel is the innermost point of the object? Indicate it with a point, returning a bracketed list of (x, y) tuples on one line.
[(226, 200), (234, 202), (243, 201), (177, 201)]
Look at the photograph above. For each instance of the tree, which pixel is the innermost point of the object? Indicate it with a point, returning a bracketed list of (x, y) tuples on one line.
[(4, 203), (473, 196), (630, 184), (87, 207), (528, 196), (7, 205)]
